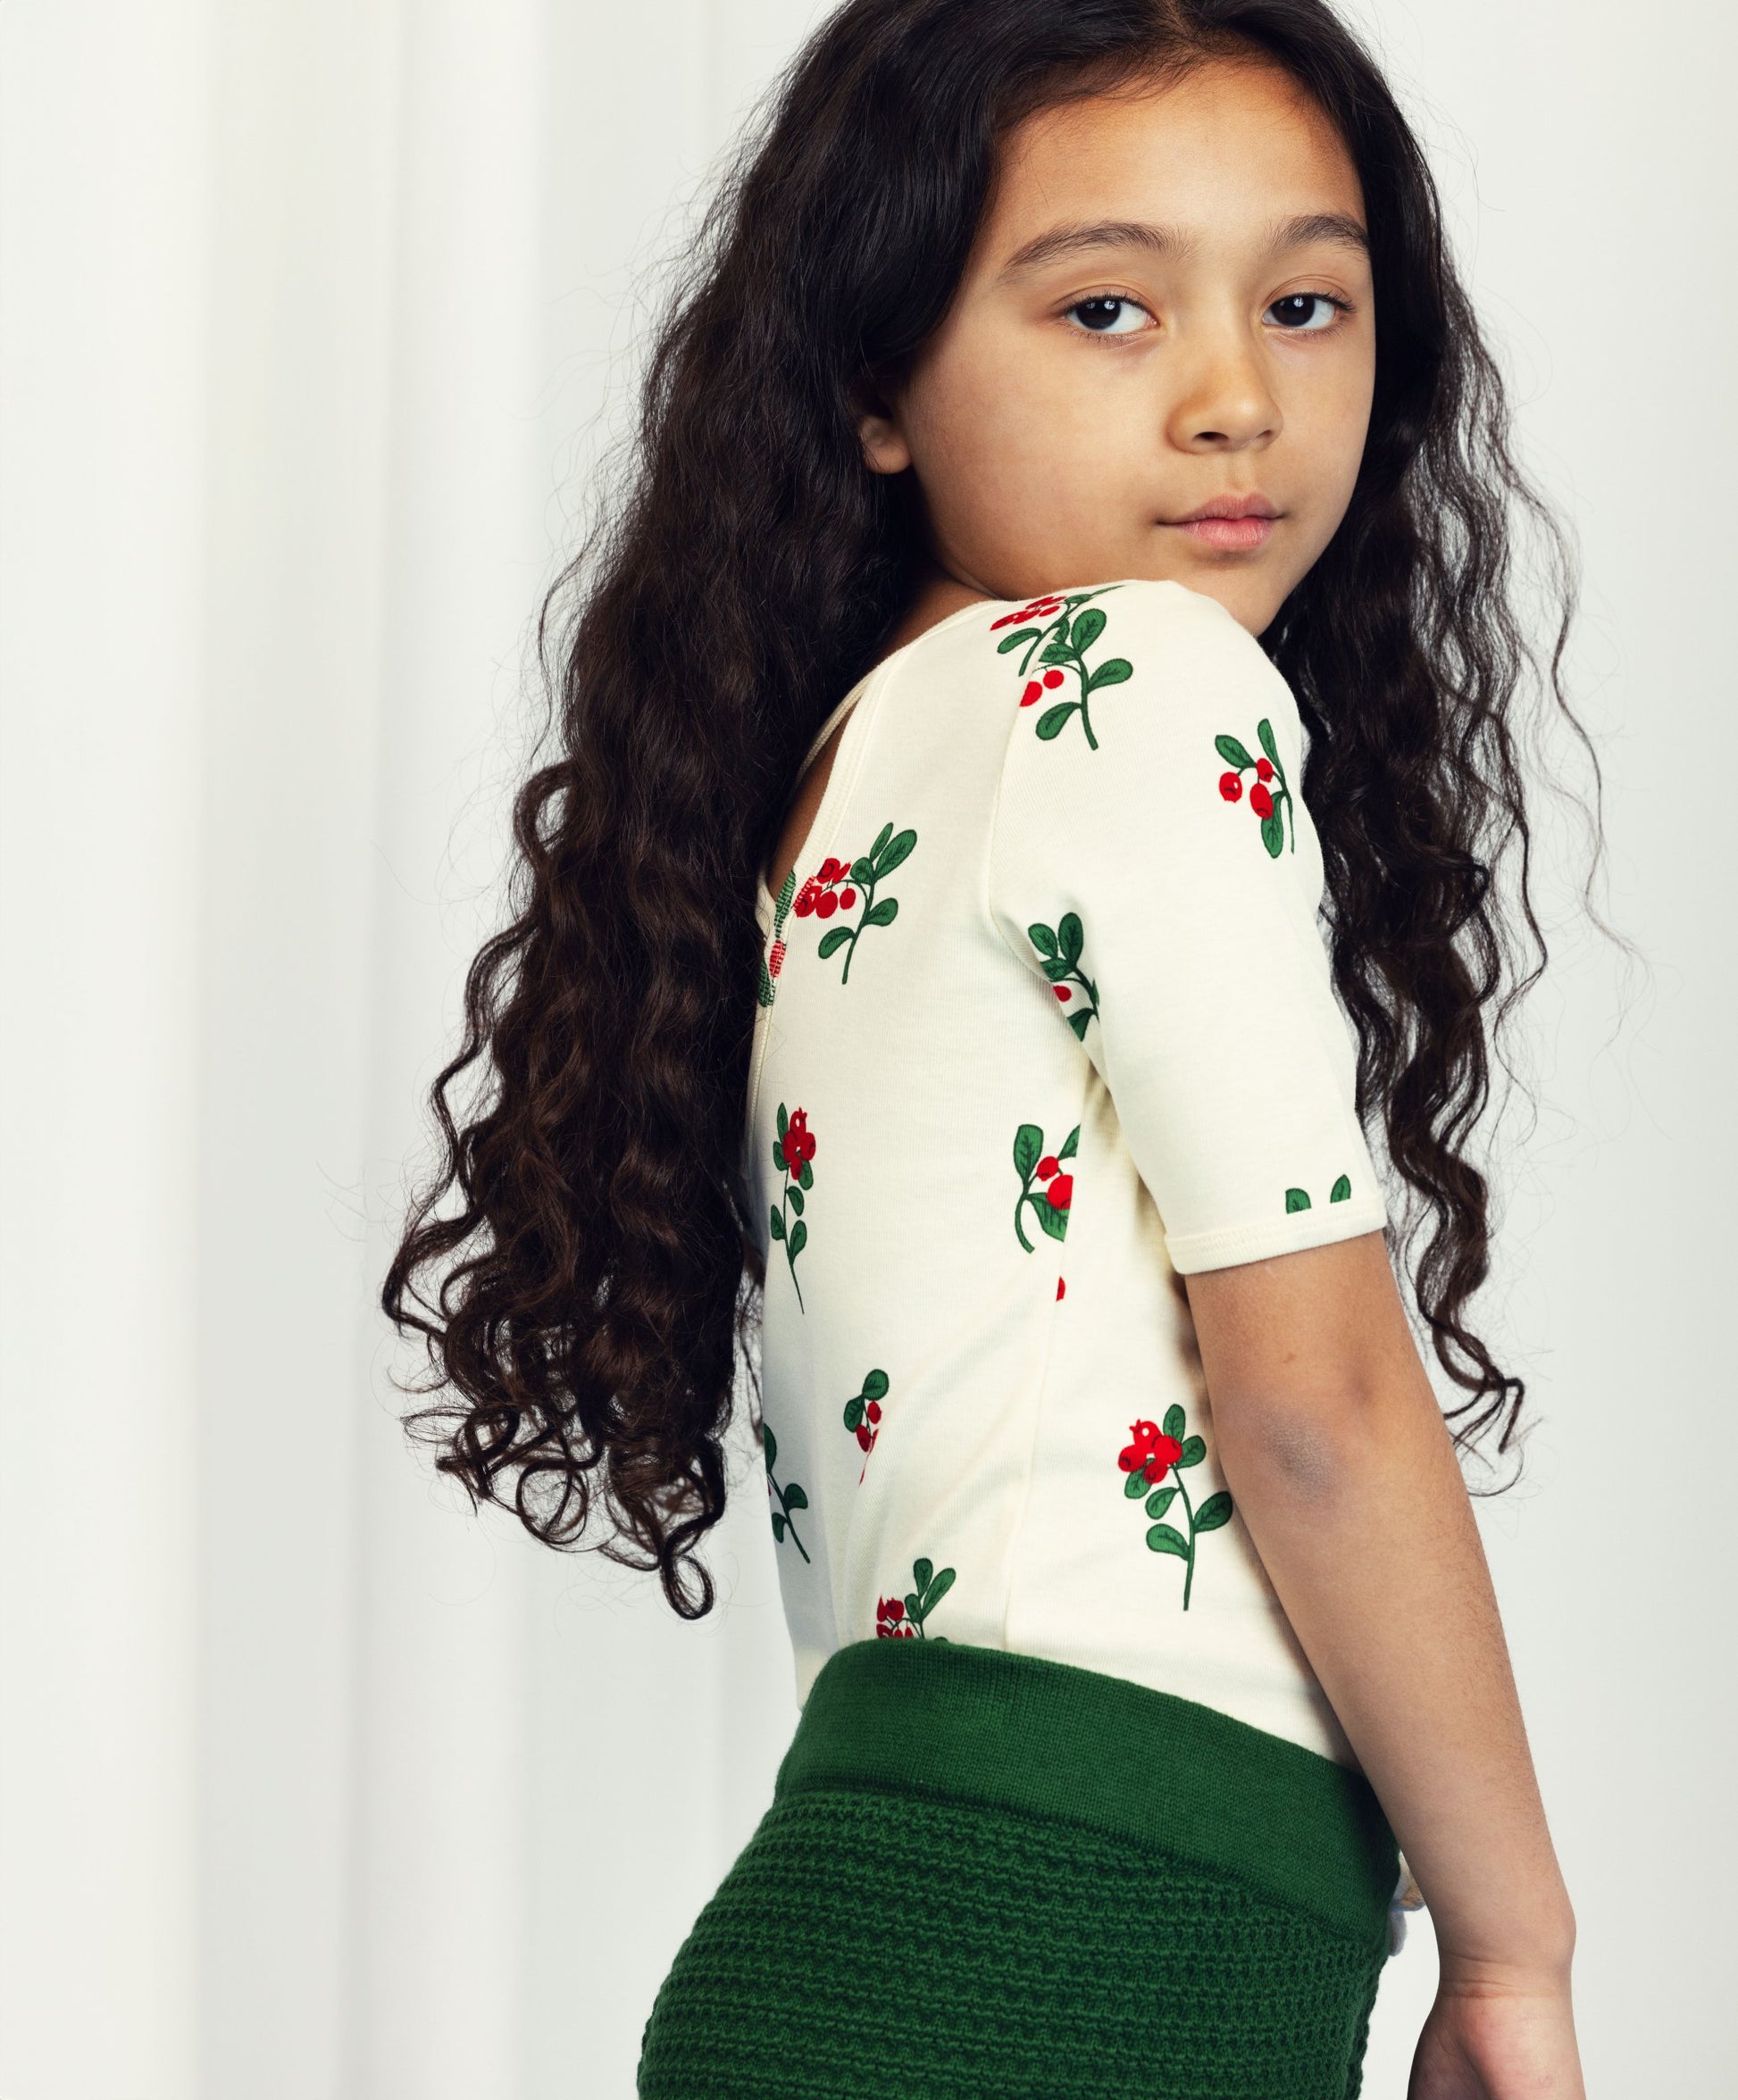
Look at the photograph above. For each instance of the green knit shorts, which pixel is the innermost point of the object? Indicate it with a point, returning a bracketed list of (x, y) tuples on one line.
[(988, 1876)]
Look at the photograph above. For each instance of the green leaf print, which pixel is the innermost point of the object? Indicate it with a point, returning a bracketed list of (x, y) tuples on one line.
[(1297, 1199), (1059, 951), (1144, 1465), (836, 887), (1053, 1201), (788, 1498), (1068, 627), (792, 1150), (1270, 799), (863, 1415), (903, 1618)]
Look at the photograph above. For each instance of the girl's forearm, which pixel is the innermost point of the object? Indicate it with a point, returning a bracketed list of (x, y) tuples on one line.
[(1344, 1472)]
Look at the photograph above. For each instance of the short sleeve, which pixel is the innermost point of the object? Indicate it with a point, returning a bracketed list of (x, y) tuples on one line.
[(1152, 862)]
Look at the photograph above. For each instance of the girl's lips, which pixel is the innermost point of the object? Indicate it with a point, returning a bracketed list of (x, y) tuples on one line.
[(1232, 536)]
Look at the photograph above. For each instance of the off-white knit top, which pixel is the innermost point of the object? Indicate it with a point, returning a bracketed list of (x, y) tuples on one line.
[(1046, 1025)]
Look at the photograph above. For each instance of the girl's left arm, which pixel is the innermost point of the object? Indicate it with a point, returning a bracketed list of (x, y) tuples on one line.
[(1341, 1466)]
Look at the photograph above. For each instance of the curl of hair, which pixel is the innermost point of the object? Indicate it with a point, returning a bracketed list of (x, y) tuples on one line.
[(599, 1271)]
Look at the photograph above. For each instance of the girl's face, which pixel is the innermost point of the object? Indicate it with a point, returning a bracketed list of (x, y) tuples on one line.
[(1166, 314)]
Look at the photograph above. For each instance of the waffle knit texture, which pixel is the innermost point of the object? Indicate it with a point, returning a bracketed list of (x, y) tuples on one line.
[(985, 1873)]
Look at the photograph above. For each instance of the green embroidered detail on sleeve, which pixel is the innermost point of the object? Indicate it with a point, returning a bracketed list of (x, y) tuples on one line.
[(1269, 796), (772, 962), (1297, 1199), (1065, 634), (1059, 949), (1033, 1162), (1154, 1452)]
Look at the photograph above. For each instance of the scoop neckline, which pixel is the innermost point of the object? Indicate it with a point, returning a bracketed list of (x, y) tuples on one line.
[(849, 707)]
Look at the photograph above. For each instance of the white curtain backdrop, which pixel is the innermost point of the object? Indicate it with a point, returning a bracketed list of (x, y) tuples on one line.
[(314, 1786)]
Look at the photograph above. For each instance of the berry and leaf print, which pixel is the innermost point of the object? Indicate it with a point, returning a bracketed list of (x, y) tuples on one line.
[(1060, 639), (1154, 1452), (1059, 950), (792, 1150), (902, 1618), (863, 1415), (1031, 1163), (834, 889), (788, 1498), (1297, 1199), (1269, 796), (772, 962)]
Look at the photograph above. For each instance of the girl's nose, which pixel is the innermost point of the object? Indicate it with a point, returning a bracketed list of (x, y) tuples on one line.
[(1225, 403)]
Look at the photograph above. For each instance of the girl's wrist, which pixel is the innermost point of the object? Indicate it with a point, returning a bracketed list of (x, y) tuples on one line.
[(1536, 1959)]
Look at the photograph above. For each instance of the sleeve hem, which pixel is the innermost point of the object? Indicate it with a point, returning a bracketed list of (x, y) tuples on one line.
[(1233, 1244)]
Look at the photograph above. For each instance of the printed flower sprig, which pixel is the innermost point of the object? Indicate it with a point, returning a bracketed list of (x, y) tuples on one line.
[(863, 1415), (1272, 804), (788, 1498), (1059, 947), (821, 895), (1066, 634), (792, 1150), (771, 963), (1052, 1204), (1297, 1199), (1154, 1452), (896, 1618)]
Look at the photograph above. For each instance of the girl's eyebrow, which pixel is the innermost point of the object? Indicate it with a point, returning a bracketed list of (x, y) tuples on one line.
[(1171, 240)]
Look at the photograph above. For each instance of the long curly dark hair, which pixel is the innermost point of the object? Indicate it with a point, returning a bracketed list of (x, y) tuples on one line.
[(599, 1273)]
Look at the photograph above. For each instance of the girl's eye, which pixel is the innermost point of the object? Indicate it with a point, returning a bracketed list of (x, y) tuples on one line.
[(1307, 313), (1104, 311)]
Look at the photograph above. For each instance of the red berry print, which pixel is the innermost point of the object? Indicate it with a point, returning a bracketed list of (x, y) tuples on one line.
[(1036, 609), (863, 1415), (1271, 806), (1065, 627), (1052, 1198), (792, 1151), (897, 1618), (1059, 950), (1136, 1455), (1061, 1286), (1144, 1462), (833, 888)]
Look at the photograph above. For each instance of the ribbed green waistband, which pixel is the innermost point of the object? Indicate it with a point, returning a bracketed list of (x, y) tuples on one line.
[(966, 1723)]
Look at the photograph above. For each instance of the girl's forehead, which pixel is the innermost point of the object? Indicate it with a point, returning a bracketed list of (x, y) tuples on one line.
[(1225, 140)]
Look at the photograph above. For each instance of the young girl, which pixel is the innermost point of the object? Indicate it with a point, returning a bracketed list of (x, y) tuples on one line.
[(1035, 749)]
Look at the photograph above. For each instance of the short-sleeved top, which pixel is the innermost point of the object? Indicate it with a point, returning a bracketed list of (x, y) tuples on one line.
[(1046, 1024)]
